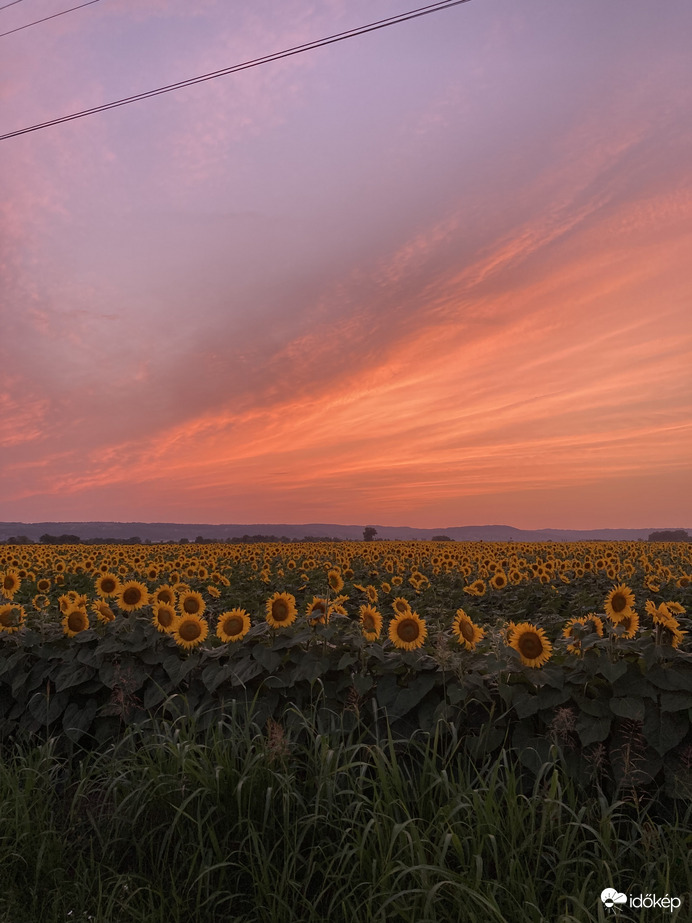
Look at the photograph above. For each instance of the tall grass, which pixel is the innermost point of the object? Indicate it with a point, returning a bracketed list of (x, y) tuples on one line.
[(304, 821)]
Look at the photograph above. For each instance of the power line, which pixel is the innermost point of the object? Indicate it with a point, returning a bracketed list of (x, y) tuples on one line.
[(14, 3), (45, 18), (234, 69)]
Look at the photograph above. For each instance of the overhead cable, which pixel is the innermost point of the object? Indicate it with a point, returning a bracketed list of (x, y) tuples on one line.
[(246, 65), (36, 22), (14, 3)]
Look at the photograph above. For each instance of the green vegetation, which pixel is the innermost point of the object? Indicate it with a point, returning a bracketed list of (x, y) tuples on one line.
[(301, 820)]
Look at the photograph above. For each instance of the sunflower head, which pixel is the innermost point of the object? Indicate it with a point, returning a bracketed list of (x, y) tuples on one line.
[(370, 622), (628, 625), (531, 643), (10, 582), (477, 588), (317, 613), (281, 610), (619, 602), (164, 617), (499, 580), (334, 580), (190, 602), (75, 620), (107, 585), (660, 614), (103, 611), (233, 625), (401, 606), (11, 617), (164, 594), (133, 596), (407, 631), (189, 631), (466, 630)]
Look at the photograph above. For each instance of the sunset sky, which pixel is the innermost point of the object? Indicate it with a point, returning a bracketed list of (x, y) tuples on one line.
[(435, 275)]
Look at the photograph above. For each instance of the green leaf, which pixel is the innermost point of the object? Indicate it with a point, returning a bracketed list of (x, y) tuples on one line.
[(347, 660), (629, 707), (525, 704), (266, 657), (46, 709), (670, 678), (245, 671), (362, 683), (215, 674), (676, 701), (311, 668), (591, 730), (72, 674), (154, 694), (399, 701), (612, 671), (549, 698), (664, 730), (78, 718)]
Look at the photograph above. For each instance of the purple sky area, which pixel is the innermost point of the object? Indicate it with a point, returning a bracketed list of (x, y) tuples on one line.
[(434, 275)]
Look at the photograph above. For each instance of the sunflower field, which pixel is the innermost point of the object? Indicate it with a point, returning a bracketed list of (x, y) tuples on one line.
[(356, 731), (585, 647)]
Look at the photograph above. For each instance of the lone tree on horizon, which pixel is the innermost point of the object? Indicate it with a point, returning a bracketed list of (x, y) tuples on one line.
[(369, 533)]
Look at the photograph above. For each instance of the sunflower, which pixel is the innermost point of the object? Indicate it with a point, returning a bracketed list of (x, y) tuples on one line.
[(619, 603), (233, 625), (317, 613), (103, 611), (466, 630), (334, 580), (407, 631), (107, 585), (189, 631), (43, 585), (401, 606), (676, 608), (594, 623), (281, 610), (190, 602), (576, 628), (11, 617), (531, 643), (661, 615), (477, 588), (671, 634), (10, 583), (164, 594), (132, 595), (213, 591), (629, 625), (75, 620), (164, 617), (370, 622), (499, 580), (371, 593)]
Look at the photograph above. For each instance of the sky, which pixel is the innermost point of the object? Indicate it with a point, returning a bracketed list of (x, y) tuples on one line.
[(435, 275)]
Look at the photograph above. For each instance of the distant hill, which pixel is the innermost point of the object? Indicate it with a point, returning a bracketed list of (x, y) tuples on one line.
[(175, 531)]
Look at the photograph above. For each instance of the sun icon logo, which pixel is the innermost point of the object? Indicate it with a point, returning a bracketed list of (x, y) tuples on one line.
[(610, 897)]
